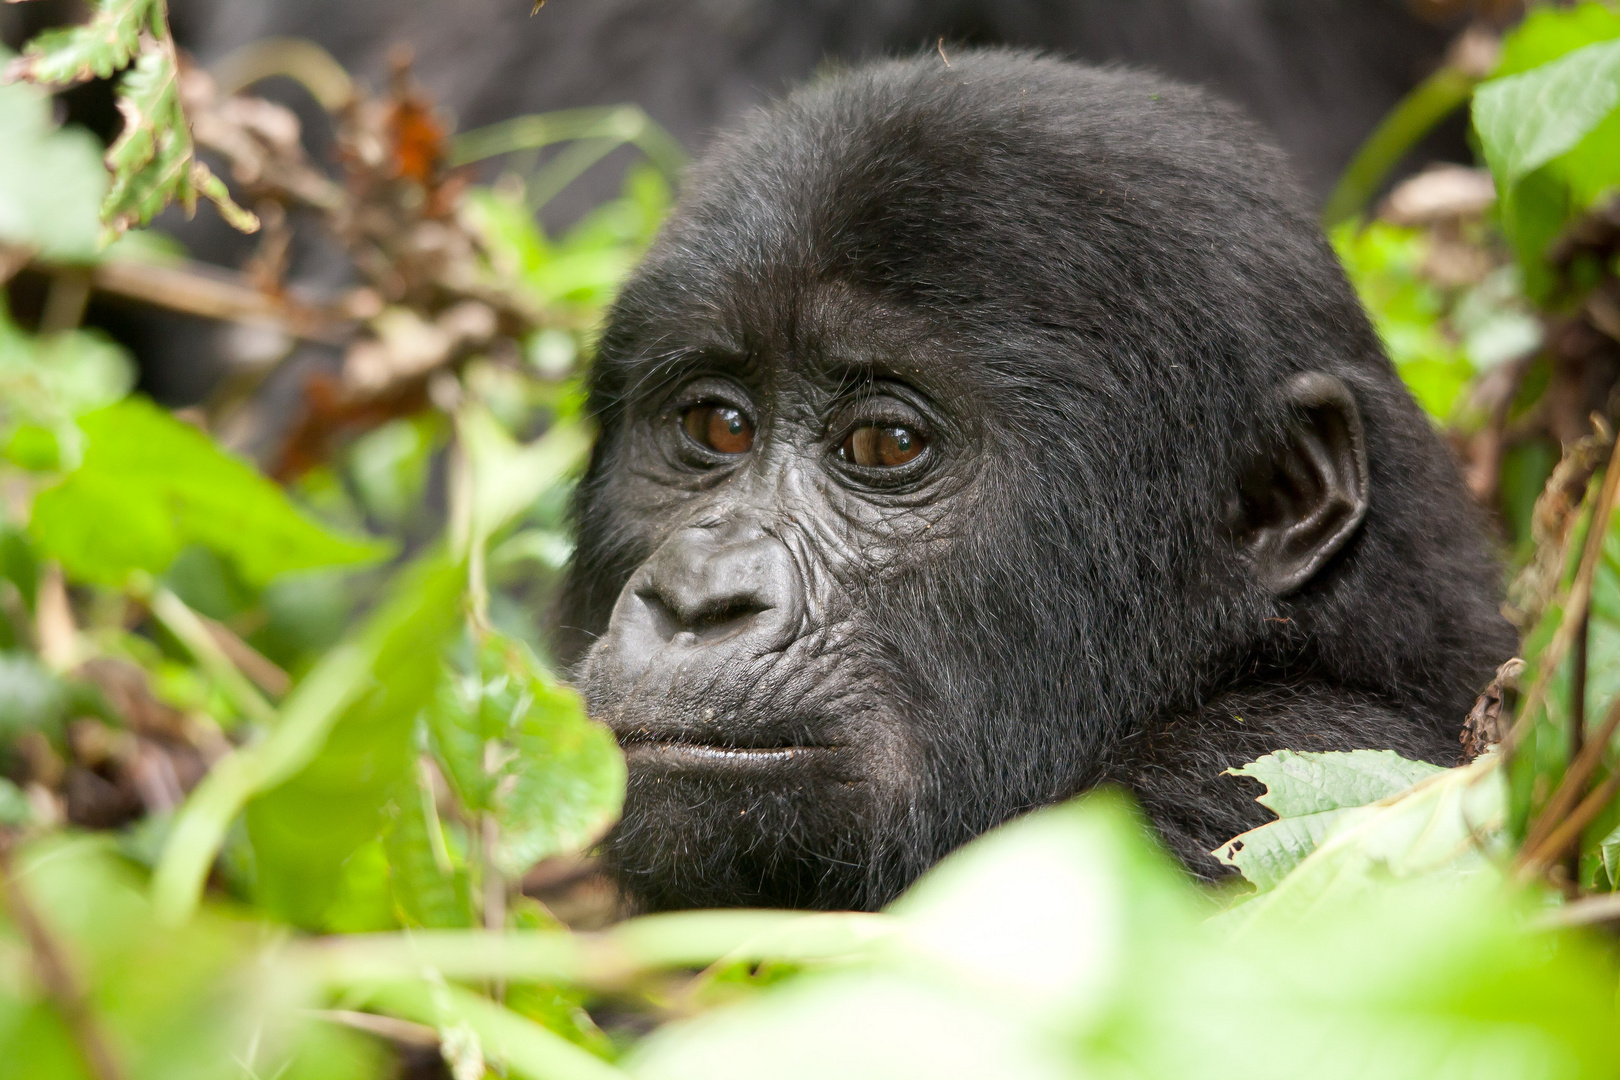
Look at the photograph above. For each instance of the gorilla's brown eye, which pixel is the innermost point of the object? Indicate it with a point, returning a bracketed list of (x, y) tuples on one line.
[(881, 447), (721, 428)]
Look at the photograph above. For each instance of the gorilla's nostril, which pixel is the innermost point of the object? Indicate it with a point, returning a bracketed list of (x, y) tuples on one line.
[(723, 620), (706, 623)]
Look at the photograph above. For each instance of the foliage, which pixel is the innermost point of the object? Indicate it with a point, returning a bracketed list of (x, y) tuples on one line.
[(245, 718), (153, 161), (50, 187)]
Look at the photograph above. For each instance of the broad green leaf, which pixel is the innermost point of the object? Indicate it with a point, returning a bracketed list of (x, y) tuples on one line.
[(51, 179), (518, 746), (1050, 913), (166, 485), (336, 799), (1526, 120), (1407, 981), (1309, 783), (1450, 823), (1550, 32)]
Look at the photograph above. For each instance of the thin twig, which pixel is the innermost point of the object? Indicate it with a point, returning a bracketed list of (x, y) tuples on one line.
[(389, 1027), (1587, 911), (1580, 595), (1569, 830), (254, 664), (188, 627), (56, 977), (194, 288), (1576, 778)]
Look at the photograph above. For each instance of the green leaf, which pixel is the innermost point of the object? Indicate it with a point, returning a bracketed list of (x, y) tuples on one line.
[(1550, 32), (333, 797), (47, 381), (1309, 783), (518, 746), (1451, 823), (1062, 946), (95, 50), (507, 477), (167, 486), (1527, 120), (430, 886), (51, 179), (168, 1002), (153, 159)]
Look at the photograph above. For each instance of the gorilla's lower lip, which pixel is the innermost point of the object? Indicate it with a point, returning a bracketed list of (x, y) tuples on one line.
[(696, 754)]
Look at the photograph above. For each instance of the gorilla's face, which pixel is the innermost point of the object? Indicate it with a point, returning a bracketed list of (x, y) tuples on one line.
[(954, 433), (790, 497)]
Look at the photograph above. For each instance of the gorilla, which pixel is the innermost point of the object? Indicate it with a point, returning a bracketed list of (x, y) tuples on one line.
[(983, 428)]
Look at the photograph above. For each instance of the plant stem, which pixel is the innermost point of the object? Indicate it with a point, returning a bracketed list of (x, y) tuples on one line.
[(56, 977)]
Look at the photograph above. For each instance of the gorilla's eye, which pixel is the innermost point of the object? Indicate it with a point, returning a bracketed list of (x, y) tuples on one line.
[(881, 447), (721, 428)]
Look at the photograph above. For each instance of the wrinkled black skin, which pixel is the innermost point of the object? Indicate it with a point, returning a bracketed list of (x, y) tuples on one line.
[(1092, 289)]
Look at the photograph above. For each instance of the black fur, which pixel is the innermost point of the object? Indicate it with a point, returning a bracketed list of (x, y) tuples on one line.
[(1097, 283)]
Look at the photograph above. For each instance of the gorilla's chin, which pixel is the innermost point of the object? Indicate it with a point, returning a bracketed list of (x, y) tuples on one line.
[(716, 826)]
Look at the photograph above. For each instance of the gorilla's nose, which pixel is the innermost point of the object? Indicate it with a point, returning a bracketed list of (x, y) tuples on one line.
[(709, 594)]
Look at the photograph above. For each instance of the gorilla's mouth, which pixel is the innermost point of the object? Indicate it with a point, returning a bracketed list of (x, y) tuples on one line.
[(674, 752)]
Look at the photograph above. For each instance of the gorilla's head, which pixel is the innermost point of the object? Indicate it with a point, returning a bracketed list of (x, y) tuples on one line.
[(965, 424)]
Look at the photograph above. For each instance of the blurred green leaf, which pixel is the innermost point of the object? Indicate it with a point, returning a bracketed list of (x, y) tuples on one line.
[(333, 794), (518, 746), (51, 179), (507, 478), (169, 1003), (14, 808), (167, 485), (1549, 126), (1384, 263), (1549, 32), (1064, 946), (46, 381), (430, 888), (31, 698)]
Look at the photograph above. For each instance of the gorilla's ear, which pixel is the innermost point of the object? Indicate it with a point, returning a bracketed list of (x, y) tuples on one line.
[(1308, 496)]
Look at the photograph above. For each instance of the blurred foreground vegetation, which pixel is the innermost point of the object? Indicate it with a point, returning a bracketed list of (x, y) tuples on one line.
[(289, 789)]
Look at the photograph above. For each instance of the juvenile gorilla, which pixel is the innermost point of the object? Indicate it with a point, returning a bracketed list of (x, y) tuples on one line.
[(977, 434)]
